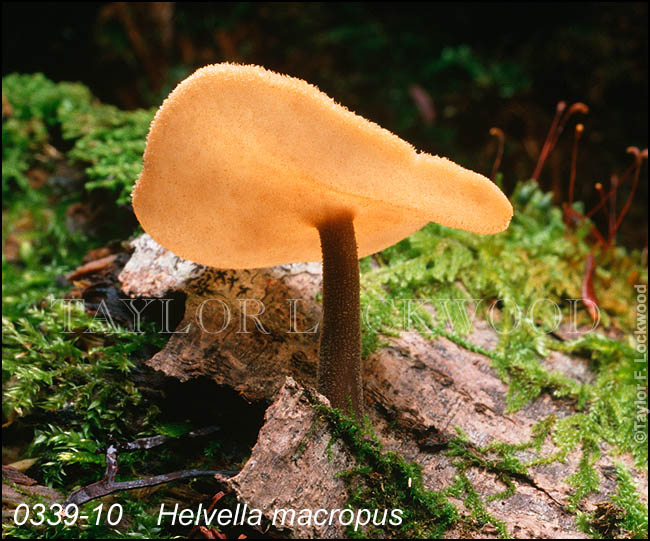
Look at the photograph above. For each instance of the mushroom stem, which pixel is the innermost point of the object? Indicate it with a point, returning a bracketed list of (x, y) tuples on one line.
[(339, 372)]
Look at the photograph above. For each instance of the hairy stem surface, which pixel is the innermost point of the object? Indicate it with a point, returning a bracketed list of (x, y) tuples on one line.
[(339, 372)]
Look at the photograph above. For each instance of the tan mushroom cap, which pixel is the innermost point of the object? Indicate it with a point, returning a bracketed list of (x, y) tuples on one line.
[(242, 164)]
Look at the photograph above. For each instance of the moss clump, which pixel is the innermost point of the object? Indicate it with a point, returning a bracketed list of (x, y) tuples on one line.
[(112, 142), (635, 519), (33, 104), (498, 458), (76, 388), (384, 480), (479, 516), (625, 516), (108, 141)]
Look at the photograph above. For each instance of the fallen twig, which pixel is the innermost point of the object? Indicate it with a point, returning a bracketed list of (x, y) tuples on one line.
[(90, 267), (108, 485)]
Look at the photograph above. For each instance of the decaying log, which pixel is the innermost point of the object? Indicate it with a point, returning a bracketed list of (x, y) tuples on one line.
[(18, 488), (417, 391), (293, 466), (219, 336)]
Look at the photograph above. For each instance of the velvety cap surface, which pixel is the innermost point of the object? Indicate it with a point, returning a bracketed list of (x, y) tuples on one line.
[(242, 164)]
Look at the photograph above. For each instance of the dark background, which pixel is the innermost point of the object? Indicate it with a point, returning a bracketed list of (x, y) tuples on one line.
[(481, 64)]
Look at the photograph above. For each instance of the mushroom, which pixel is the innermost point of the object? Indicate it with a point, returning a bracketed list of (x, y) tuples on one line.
[(247, 168)]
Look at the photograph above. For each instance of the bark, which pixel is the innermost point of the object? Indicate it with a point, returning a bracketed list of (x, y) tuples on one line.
[(293, 465), (223, 335), (19, 488), (416, 390)]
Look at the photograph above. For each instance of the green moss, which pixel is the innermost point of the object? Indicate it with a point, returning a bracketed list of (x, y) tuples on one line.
[(302, 445), (79, 384), (479, 516), (112, 142), (108, 141), (635, 520), (626, 516), (381, 481), (497, 458)]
